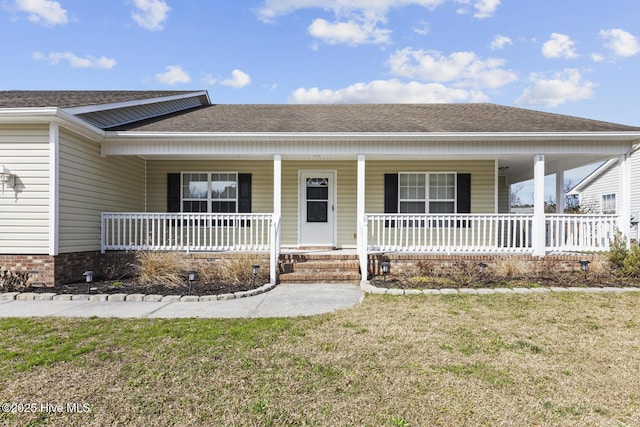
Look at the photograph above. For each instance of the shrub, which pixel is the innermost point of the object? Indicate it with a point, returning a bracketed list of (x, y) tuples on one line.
[(160, 268), (465, 273), (239, 270), (13, 281), (617, 252), (631, 263), (506, 266)]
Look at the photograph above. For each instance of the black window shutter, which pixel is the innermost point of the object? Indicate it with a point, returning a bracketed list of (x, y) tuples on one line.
[(390, 193), (244, 193), (463, 195), (173, 192)]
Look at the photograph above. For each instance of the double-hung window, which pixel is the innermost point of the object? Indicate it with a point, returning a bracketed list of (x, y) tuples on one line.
[(427, 192), (608, 203), (210, 192)]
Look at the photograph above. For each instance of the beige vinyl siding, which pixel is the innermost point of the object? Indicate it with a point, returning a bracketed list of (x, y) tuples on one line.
[(261, 180), (482, 180), (24, 209), (504, 195), (482, 187), (91, 184)]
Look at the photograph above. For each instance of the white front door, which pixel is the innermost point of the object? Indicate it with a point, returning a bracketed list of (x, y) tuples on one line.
[(317, 208)]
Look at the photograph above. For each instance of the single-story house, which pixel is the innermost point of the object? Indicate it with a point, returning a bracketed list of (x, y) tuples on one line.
[(85, 173), (599, 192)]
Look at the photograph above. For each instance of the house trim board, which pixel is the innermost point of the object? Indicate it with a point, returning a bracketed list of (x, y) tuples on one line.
[(54, 188)]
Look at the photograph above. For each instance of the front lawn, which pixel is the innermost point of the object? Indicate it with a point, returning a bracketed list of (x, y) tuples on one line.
[(547, 359)]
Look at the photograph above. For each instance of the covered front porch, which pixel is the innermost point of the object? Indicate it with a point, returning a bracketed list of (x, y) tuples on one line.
[(355, 208)]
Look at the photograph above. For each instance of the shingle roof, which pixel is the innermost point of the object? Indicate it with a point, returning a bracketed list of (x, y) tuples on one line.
[(74, 98), (372, 118), (321, 118)]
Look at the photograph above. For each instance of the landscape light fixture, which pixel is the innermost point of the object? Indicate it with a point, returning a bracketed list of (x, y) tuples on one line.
[(584, 265), (481, 267), (88, 277), (255, 268), (385, 269), (192, 278)]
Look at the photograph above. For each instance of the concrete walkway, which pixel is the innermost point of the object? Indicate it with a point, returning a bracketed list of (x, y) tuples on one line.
[(283, 301)]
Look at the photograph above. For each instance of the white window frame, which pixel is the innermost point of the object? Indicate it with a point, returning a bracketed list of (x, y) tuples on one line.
[(209, 199), (427, 199), (607, 201)]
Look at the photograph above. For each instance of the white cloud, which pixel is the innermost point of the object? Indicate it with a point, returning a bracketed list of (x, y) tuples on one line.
[(499, 42), (597, 57), (620, 42), (174, 75), (486, 8), (356, 21), (423, 28), (386, 91), (559, 46), (562, 87), (75, 61), (271, 9), (150, 14), (46, 12), (462, 68), (483, 8), (350, 32), (239, 79)]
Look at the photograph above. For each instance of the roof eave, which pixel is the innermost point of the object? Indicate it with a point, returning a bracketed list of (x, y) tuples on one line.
[(386, 136), (48, 115)]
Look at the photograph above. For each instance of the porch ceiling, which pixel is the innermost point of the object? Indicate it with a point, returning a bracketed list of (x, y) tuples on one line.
[(514, 152)]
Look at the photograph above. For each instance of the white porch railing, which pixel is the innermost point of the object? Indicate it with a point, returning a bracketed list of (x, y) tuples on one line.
[(449, 233), (186, 231), (580, 232), (490, 233)]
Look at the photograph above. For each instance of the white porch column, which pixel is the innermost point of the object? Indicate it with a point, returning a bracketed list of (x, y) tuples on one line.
[(276, 222), (623, 199), (538, 236), (361, 222), (560, 192)]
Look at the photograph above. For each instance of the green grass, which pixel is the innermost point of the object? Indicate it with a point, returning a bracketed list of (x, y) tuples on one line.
[(550, 359)]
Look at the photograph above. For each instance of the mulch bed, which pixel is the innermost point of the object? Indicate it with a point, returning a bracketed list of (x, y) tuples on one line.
[(130, 286), (489, 281)]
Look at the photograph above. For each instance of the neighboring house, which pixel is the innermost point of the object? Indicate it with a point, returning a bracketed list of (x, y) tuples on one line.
[(599, 192), (91, 172)]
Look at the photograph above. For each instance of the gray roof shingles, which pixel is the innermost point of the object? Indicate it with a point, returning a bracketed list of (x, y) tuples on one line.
[(75, 98), (373, 118), (342, 118)]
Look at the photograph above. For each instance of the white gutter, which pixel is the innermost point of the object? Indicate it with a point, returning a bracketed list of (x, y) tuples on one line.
[(373, 136)]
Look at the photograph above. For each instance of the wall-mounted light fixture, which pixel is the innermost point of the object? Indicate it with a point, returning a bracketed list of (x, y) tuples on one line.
[(6, 177)]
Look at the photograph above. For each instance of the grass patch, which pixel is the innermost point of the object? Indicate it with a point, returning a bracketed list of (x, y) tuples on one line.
[(549, 359)]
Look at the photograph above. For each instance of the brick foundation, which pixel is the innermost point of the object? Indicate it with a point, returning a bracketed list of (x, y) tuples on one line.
[(46, 270), (41, 268), (408, 264)]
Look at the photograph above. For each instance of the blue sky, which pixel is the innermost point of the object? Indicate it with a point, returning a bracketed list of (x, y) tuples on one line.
[(572, 57)]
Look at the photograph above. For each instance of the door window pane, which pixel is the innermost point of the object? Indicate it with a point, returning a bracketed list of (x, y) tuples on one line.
[(317, 211)]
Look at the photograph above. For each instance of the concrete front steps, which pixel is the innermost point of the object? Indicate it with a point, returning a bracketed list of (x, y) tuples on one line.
[(319, 268)]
